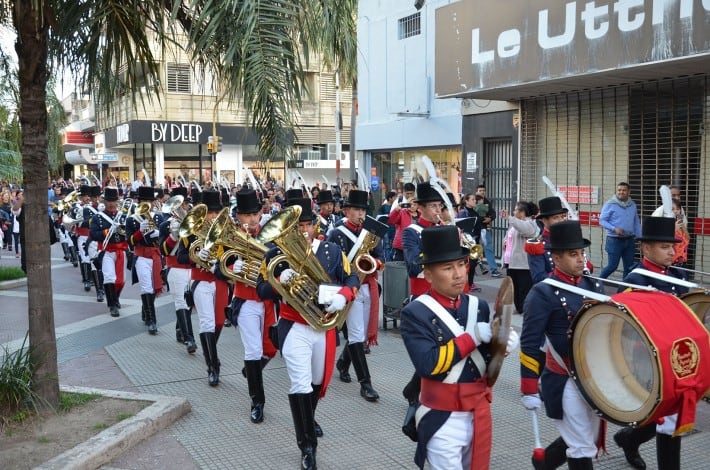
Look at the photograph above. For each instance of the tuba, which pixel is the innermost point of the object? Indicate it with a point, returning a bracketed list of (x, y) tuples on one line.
[(301, 291), (227, 233), (195, 223)]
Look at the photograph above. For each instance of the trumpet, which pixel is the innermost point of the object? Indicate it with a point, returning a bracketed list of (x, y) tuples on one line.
[(195, 223), (467, 241)]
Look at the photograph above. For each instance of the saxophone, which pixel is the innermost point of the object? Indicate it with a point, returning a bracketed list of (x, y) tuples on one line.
[(301, 291), (372, 232)]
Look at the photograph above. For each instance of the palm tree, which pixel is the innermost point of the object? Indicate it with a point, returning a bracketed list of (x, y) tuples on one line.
[(254, 48)]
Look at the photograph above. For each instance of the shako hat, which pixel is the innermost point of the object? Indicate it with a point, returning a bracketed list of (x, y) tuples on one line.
[(292, 195), (325, 197), (85, 190), (409, 187), (307, 214), (356, 198), (441, 244), (567, 235), (94, 191), (211, 200), (426, 193), (658, 229), (179, 191), (110, 194), (64, 191), (550, 206), (247, 202), (146, 193), (195, 196)]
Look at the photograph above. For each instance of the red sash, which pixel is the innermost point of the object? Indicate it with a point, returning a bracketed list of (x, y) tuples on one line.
[(474, 397), (373, 326)]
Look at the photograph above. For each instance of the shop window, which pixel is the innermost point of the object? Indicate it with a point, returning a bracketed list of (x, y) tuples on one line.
[(409, 26), (179, 78)]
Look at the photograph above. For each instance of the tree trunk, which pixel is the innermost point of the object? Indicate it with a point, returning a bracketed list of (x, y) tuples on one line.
[(32, 47)]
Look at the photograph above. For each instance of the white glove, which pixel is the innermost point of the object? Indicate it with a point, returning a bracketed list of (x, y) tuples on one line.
[(144, 226), (101, 207), (204, 254), (238, 265), (532, 402), (482, 333), (336, 303), (286, 275), (153, 233), (174, 227), (513, 342)]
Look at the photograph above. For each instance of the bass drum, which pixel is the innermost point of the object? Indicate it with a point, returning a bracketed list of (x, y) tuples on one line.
[(640, 357), (699, 303)]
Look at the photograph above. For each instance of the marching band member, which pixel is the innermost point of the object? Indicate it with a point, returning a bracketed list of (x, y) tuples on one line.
[(178, 274), (657, 243), (112, 246), (549, 309), (539, 255), (82, 231), (363, 319), (255, 315), (446, 334), (210, 291), (309, 353), (326, 218), (143, 236)]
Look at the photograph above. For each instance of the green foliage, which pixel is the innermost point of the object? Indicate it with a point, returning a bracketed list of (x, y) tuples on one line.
[(16, 393), (43, 440), (100, 426), (67, 401), (8, 273)]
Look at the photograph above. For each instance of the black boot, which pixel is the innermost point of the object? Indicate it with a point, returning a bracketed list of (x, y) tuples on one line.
[(668, 452), (65, 249), (74, 256), (86, 276), (630, 439), (209, 349), (183, 317), (179, 337), (256, 390), (315, 396), (343, 364), (555, 456), (357, 354), (412, 389), (152, 321), (144, 310), (99, 283), (264, 362), (302, 413), (111, 296), (580, 464)]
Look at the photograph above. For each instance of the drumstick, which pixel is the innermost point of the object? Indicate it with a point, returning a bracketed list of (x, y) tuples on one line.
[(539, 451)]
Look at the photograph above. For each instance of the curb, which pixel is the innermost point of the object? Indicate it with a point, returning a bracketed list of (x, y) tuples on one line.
[(13, 283), (112, 442)]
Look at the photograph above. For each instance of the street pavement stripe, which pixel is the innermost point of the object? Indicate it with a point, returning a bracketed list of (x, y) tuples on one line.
[(65, 297)]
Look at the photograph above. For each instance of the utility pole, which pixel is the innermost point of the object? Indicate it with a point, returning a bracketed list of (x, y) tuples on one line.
[(338, 128)]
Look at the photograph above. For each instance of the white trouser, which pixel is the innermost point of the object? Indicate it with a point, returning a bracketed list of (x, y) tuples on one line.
[(204, 297), (579, 426), (64, 237), (251, 329), (451, 445), (359, 316), (179, 278), (108, 267), (144, 270), (668, 426), (304, 353), (80, 242)]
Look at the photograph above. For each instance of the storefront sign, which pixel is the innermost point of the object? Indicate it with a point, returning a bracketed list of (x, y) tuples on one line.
[(471, 164), (580, 194), (483, 45), (175, 132), (78, 138)]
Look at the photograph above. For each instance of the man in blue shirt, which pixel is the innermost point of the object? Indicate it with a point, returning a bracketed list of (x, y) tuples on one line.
[(621, 220)]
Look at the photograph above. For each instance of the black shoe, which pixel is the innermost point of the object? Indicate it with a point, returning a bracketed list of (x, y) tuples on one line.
[(212, 377), (317, 429), (191, 346), (368, 393), (178, 336), (308, 459), (624, 439), (87, 286), (100, 295), (227, 323), (344, 375), (257, 413), (114, 311)]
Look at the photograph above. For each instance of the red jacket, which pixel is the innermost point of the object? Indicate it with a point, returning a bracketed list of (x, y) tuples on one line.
[(401, 219)]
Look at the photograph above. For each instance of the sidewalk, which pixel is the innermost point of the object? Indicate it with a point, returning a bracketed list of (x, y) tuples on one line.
[(218, 433)]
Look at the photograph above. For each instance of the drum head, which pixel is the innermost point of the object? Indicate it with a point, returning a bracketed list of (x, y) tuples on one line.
[(614, 365)]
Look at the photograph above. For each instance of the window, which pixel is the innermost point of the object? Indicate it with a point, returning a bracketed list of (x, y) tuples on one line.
[(410, 26), (179, 78)]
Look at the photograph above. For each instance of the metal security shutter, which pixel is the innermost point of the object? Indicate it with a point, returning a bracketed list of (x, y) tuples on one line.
[(498, 177)]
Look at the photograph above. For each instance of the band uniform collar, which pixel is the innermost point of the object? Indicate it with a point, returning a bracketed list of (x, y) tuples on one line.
[(352, 226), (651, 266), (445, 301), (425, 223), (567, 278)]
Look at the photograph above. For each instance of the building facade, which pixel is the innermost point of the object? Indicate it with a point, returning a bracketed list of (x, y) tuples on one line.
[(608, 91)]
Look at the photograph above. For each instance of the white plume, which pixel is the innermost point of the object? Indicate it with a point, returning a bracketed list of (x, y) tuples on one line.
[(666, 200)]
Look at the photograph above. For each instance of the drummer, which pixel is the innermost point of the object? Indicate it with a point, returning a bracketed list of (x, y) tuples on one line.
[(657, 247), (548, 312)]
